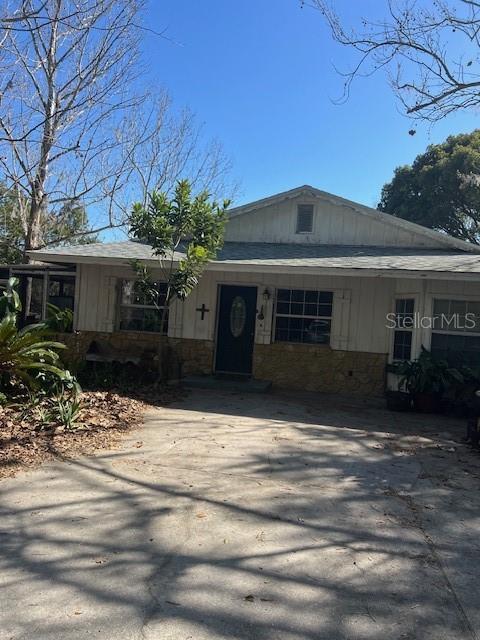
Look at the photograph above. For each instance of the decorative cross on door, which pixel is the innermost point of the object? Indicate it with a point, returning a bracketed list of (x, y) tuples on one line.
[(203, 310)]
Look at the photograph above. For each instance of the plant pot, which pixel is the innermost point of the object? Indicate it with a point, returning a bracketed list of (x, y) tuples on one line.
[(399, 401), (473, 432), (426, 402)]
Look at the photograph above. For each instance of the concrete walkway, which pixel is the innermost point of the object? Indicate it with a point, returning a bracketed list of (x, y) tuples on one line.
[(250, 517)]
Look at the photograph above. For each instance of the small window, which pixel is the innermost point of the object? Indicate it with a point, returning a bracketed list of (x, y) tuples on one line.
[(303, 316), (404, 322), (139, 312), (304, 218)]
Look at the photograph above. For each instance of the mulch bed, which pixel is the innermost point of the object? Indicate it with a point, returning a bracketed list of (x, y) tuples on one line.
[(105, 417)]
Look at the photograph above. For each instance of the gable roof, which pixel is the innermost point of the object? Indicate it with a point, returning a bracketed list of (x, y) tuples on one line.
[(369, 212)]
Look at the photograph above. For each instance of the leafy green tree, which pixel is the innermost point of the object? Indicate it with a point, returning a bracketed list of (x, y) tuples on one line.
[(185, 233), (441, 189), (69, 225)]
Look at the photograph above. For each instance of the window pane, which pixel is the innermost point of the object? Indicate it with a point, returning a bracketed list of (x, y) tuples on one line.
[(474, 307), (458, 349), (298, 295), (311, 296), (325, 297), (141, 319), (283, 294), (127, 291), (440, 306), (402, 345), (404, 309), (283, 307), (54, 287), (61, 291), (458, 306), (317, 331), (324, 310), (456, 316), (302, 330), (311, 310), (133, 293)]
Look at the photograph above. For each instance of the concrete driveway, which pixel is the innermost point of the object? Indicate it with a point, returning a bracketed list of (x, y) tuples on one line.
[(250, 517)]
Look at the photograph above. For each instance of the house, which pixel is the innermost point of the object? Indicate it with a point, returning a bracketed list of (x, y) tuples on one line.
[(310, 291)]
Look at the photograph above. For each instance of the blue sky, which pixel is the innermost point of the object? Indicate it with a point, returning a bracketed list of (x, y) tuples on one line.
[(259, 74)]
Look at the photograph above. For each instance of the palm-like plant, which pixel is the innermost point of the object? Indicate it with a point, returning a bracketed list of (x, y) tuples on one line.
[(427, 374), (26, 352)]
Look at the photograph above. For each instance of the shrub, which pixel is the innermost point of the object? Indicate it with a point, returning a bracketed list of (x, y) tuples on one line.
[(427, 374), (58, 320), (27, 352)]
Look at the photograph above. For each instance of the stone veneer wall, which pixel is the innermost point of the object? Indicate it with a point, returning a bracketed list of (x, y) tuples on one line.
[(319, 368), (295, 366), (194, 356)]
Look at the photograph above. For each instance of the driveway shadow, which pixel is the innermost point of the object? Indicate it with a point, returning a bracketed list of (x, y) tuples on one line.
[(249, 518)]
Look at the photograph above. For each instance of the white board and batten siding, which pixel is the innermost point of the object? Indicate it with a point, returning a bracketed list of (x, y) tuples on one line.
[(359, 305), (333, 224), (98, 293)]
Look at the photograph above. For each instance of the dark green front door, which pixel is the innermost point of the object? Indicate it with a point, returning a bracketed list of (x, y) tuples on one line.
[(236, 329)]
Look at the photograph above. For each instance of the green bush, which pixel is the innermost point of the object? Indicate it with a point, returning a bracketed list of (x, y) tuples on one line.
[(59, 320), (26, 353), (427, 374)]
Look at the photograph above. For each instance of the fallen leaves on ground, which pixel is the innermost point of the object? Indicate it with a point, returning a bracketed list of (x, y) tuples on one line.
[(104, 418)]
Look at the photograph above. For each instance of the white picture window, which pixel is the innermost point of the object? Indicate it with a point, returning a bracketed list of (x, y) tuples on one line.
[(303, 316)]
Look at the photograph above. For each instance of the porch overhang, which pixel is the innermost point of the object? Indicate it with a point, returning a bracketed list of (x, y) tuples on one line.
[(59, 264)]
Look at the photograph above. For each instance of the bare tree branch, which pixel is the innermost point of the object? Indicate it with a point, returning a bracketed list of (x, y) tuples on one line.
[(74, 126), (431, 51)]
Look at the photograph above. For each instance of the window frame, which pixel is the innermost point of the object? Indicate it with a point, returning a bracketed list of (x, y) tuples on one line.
[(159, 309), (312, 317), (304, 204), (451, 298), (411, 330)]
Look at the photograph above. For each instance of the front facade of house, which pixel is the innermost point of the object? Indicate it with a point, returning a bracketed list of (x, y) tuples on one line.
[(310, 291)]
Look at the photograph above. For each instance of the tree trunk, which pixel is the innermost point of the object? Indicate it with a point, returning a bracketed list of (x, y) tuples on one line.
[(33, 236)]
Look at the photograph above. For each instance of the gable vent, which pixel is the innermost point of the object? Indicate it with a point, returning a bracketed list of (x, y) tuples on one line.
[(304, 218)]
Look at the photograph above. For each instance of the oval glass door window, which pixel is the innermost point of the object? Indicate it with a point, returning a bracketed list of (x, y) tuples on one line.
[(238, 315)]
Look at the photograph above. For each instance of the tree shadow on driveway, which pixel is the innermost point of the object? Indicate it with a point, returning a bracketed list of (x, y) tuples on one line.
[(236, 521)]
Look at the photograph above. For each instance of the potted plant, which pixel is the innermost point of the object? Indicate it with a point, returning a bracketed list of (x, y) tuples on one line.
[(426, 380)]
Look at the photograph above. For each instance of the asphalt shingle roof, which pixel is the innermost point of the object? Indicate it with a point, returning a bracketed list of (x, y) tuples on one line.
[(291, 255)]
